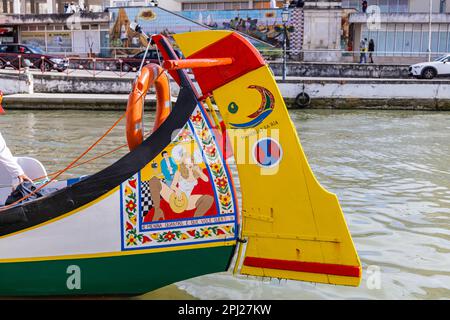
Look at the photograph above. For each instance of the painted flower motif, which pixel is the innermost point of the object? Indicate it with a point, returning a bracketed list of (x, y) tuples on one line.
[(184, 236), (220, 232), (128, 226), (227, 229), (154, 236), (131, 240), (185, 134), (132, 183), (191, 233), (133, 220), (216, 167), (131, 205), (128, 191), (210, 150), (225, 199), (206, 233), (169, 236), (197, 118), (204, 135), (146, 239), (221, 182)]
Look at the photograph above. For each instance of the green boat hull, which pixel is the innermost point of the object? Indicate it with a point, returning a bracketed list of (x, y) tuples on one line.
[(118, 275)]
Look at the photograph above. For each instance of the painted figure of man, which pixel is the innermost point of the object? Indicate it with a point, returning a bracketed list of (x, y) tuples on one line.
[(168, 167)]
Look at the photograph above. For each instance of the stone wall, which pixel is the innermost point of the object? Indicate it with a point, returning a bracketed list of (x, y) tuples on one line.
[(49, 83), (344, 70), (13, 83)]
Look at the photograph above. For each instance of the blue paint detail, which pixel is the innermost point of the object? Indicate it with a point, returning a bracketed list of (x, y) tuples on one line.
[(254, 122), (75, 180), (233, 194), (207, 167), (182, 244), (122, 244), (192, 226), (141, 223), (264, 148)]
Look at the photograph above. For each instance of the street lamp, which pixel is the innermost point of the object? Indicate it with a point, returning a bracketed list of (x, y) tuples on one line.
[(285, 14), (429, 31)]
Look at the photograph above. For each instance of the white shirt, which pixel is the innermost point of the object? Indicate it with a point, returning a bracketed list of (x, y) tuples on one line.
[(7, 160)]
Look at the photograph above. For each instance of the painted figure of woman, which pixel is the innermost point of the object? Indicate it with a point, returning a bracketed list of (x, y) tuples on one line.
[(180, 190)]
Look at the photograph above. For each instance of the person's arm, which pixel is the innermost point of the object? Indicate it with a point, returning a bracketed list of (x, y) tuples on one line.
[(173, 186), (10, 164), (201, 174)]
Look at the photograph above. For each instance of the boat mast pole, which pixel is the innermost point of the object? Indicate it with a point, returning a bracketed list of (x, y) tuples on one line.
[(137, 28)]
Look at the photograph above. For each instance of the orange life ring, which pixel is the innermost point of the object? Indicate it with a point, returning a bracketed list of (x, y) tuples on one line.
[(151, 74)]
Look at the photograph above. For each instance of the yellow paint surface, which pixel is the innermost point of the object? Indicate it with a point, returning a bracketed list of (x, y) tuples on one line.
[(287, 214), (191, 44)]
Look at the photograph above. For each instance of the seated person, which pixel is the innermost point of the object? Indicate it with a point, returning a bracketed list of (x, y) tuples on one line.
[(10, 164)]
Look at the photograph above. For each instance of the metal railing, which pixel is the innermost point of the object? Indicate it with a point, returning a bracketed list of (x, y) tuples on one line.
[(125, 66)]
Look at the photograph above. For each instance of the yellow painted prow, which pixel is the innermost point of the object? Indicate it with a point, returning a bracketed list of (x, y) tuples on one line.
[(294, 228)]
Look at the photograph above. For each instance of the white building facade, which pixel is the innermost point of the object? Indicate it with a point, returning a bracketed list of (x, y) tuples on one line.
[(48, 6), (401, 28)]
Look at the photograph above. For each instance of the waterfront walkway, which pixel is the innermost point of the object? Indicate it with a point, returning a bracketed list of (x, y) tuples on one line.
[(109, 92)]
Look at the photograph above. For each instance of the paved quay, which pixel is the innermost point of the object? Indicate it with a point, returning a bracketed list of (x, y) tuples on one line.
[(110, 92), (71, 101)]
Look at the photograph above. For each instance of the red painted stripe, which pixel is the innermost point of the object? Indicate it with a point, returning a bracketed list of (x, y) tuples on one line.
[(301, 266), (245, 59)]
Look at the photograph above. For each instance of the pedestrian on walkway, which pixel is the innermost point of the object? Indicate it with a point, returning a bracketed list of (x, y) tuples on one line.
[(364, 6), (371, 50), (363, 51)]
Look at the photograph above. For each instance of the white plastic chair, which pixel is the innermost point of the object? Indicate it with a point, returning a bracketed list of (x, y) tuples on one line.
[(32, 168)]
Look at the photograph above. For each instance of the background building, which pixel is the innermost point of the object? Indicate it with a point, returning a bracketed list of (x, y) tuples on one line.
[(172, 5), (322, 30), (47, 6), (227, 5), (401, 28)]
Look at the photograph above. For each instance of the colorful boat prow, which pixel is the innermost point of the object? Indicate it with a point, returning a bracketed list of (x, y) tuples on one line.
[(168, 210)]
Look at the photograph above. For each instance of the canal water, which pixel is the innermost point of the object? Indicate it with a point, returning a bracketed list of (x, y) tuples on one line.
[(389, 169)]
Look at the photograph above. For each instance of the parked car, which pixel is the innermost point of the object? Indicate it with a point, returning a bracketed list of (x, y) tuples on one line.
[(429, 70), (20, 56), (133, 62)]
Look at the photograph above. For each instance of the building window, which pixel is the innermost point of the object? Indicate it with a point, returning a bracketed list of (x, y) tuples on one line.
[(386, 6), (409, 39), (225, 5), (442, 6)]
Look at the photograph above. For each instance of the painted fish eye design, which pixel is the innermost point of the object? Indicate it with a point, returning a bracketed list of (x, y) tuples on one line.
[(233, 107), (265, 109)]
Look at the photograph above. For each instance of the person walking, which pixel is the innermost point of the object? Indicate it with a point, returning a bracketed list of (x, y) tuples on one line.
[(364, 6), (363, 51), (371, 50)]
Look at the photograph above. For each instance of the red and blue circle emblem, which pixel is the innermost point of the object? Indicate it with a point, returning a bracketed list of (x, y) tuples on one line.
[(267, 152)]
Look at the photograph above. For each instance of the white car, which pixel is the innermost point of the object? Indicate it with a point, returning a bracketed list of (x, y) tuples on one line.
[(429, 70)]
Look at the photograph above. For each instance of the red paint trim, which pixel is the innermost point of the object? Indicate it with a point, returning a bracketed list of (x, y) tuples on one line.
[(158, 39), (245, 59), (302, 266)]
